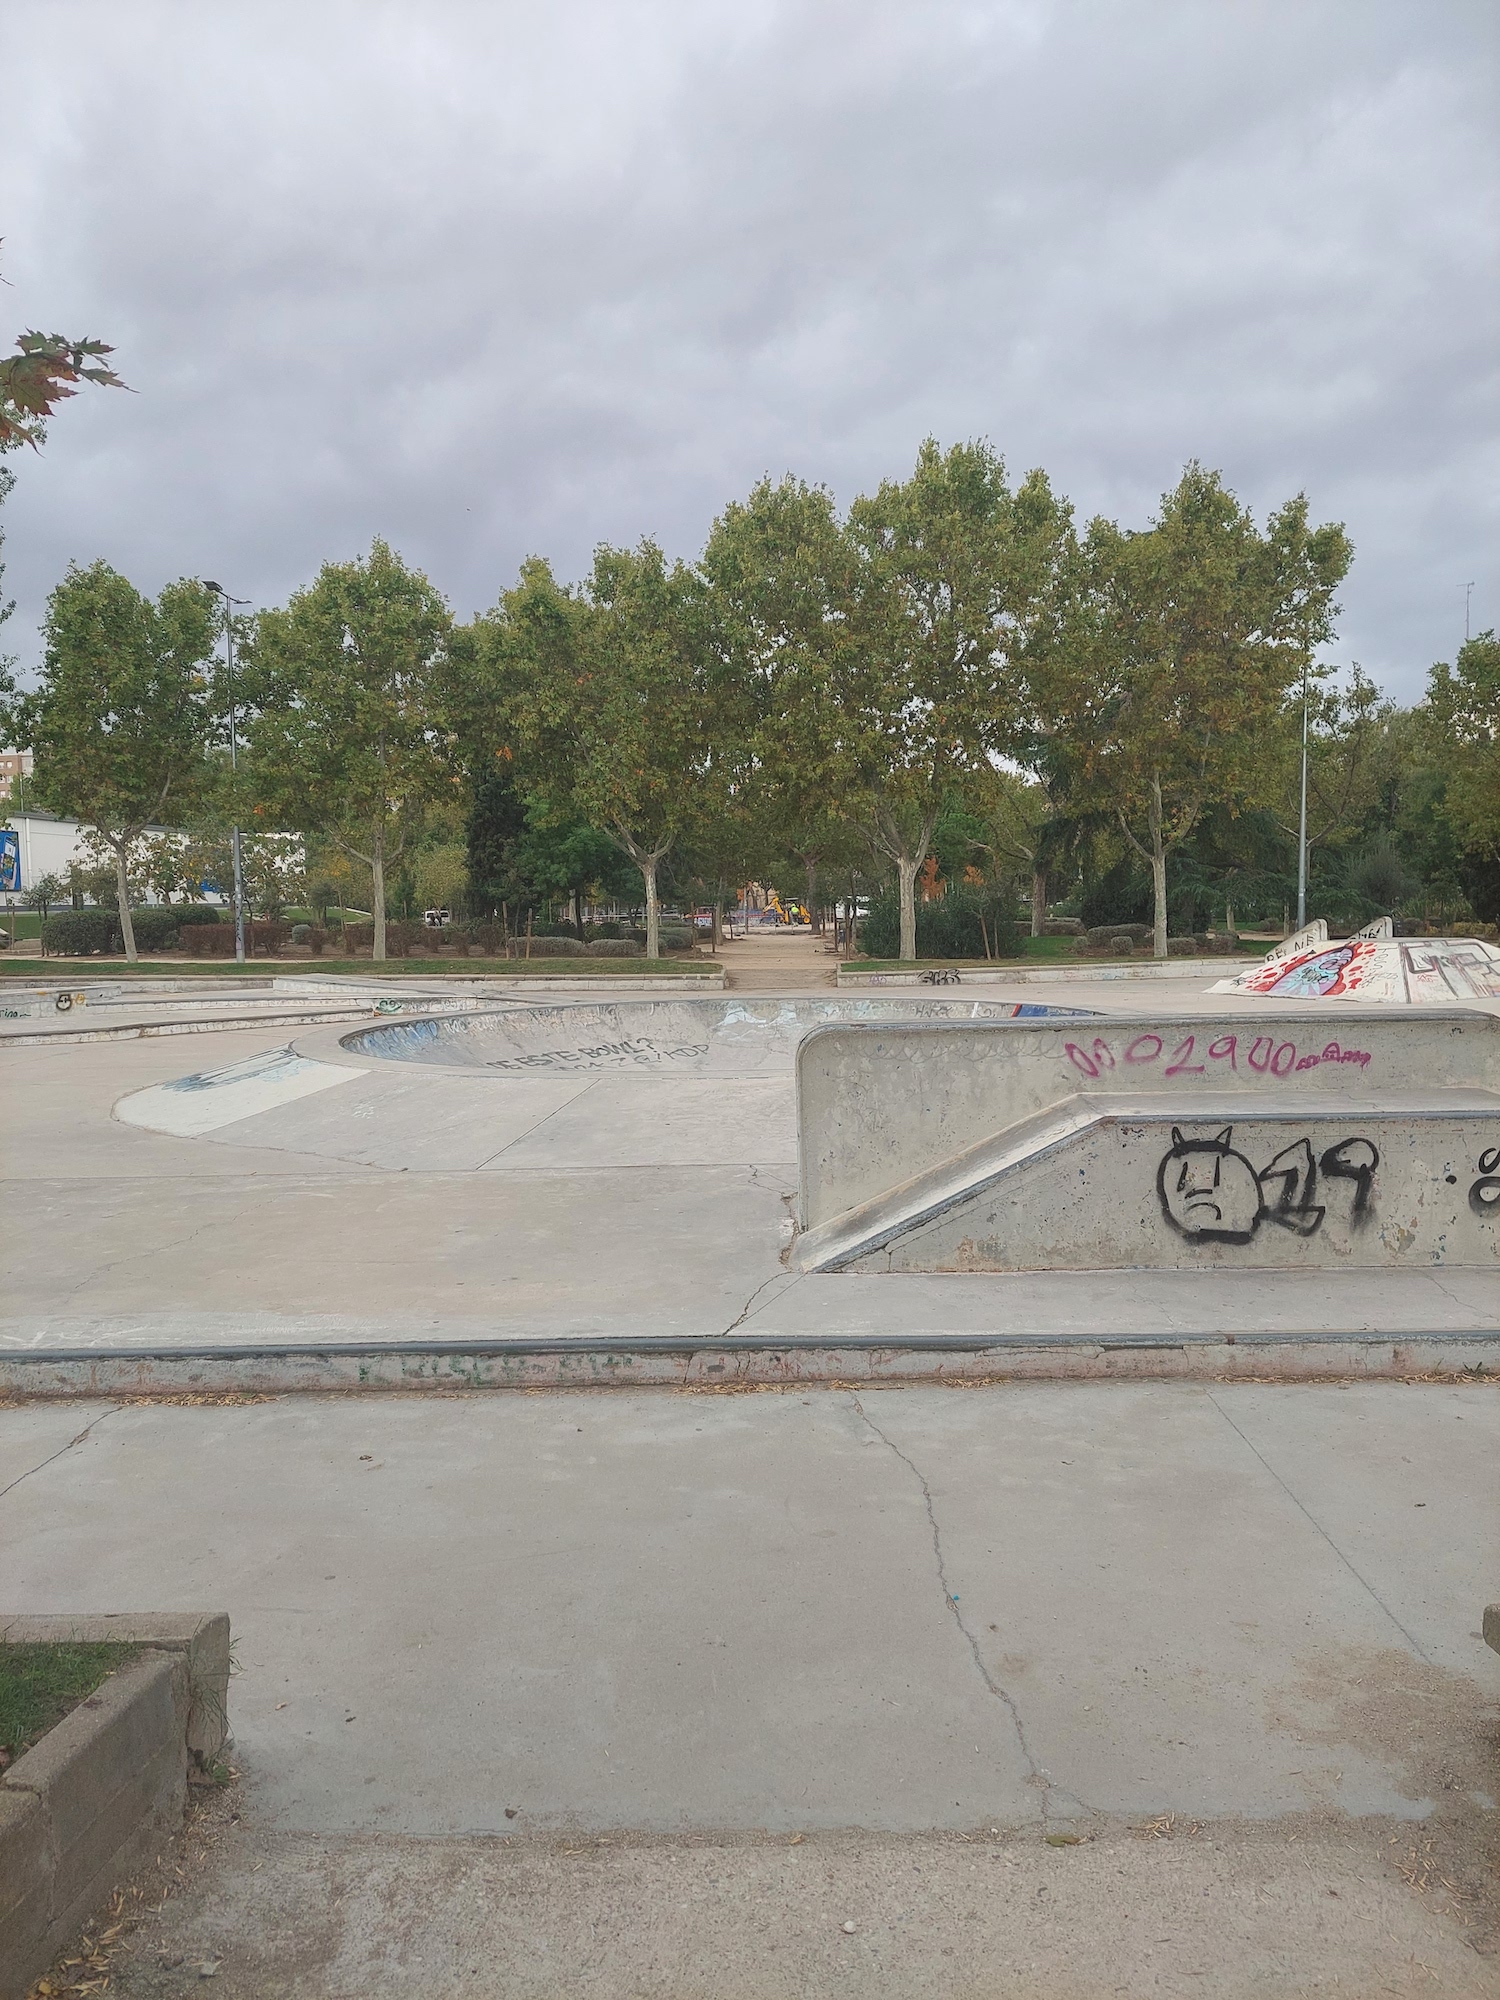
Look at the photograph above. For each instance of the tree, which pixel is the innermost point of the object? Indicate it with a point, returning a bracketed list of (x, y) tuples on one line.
[(1186, 642), (39, 376), (43, 893), (121, 722), (888, 651), (348, 683), (1346, 730), (780, 577), (607, 703), (1462, 713)]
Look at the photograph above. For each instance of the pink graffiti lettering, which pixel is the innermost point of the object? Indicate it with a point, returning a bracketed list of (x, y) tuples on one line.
[(1265, 1056)]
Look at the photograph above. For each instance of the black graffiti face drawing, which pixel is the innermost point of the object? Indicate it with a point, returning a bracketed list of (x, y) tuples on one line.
[(1211, 1193), (1208, 1191)]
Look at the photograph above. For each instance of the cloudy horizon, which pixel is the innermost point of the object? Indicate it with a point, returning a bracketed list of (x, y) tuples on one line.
[(489, 281)]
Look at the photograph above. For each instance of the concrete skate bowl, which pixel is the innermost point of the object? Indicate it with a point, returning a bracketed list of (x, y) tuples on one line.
[(717, 1037)]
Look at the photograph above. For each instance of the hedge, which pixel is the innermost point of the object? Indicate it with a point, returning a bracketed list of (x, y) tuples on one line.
[(80, 933), (217, 940)]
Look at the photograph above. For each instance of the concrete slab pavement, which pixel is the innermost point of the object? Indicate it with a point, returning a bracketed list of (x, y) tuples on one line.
[(624, 1694), (902, 1610)]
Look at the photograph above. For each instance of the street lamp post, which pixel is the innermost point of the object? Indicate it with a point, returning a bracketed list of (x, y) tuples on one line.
[(1302, 820), (234, 831)]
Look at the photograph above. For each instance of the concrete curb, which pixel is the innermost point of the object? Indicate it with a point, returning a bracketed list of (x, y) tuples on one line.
[(87, 1804), (675, 1362), (1071, 970)]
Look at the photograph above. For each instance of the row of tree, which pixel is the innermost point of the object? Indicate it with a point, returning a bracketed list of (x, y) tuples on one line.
[(951, 668)]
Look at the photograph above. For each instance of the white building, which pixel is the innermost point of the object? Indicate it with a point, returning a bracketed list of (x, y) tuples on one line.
[(33, 844)]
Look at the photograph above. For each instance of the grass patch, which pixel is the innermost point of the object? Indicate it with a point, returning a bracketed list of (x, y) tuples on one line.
[(39, 1684), (75, 969), (1050, 947)]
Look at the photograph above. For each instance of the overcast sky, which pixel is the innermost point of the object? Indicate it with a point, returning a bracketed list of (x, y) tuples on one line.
[(494, 278)]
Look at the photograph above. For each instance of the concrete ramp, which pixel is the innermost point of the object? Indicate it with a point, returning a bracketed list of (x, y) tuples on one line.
[(1154, 1143)]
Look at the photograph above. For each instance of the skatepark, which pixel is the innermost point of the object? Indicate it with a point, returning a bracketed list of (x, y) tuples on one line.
[(1066, 1564)]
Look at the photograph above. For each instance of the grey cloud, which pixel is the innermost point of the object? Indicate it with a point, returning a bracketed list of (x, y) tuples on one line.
[(489, 279)]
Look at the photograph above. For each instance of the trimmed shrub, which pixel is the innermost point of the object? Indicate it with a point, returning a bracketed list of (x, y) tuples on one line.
[(951, 926), (199, 913), (1107, 933), (1182, 947), (615, 947), (548, 947), (301, 933), (609, 930), (1062, 927), (560, 928), (155, 927), (81, 933)]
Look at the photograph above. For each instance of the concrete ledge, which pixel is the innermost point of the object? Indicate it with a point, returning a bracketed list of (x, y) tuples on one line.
[(167, 1024), (678, 1363), (87, 1805), (1492, 1626)]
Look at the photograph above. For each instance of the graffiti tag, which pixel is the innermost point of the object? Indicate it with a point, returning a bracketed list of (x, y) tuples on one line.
[(637, 1053), (1484, 1196), (1212, 1193), (1193, 1055)]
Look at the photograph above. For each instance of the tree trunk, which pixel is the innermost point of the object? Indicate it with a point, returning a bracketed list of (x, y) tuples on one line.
[(906, 869), (1158, 869), (578, 910), (814, 915), (127, 928), (377, 894), (647, 866), (718, 930), (1038, 900)]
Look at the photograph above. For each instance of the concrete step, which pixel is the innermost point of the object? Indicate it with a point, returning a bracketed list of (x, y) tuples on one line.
[(1314, 1180)]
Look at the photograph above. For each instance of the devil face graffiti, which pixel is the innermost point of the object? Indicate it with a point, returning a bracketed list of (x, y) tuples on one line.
[(1211, 1193), (1207, 1190)]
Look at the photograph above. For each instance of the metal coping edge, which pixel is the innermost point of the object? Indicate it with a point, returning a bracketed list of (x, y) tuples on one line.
[(618, 1344)]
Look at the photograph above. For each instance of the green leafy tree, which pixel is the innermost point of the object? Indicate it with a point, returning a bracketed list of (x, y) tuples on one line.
[(1181, 656), (957, 589), (886, 656), (348, 682), (607, 703), (1462, 715), (121, 722), (1346, 729), (780, 576)]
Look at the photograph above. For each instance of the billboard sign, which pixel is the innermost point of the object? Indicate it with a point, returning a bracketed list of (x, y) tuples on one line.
[(10, 862)]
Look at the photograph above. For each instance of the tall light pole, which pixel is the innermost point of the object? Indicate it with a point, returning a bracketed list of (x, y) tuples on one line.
[(234, 762), (1468, 593), (1302, 820)]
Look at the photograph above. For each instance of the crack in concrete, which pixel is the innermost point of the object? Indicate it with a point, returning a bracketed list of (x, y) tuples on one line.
[(1035, 1775), (1313, 1521), (744, 1312), (62, 1450)]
